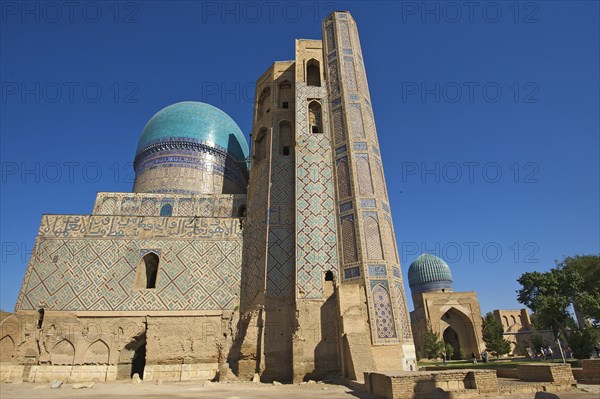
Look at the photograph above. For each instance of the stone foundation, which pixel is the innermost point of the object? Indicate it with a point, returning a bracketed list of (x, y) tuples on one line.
[(590, 371), (181, 372), (11, 372), (431, 384), (557, 374), (102, 373)]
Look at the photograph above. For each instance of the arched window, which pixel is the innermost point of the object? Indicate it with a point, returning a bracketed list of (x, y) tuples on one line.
[(263, 105), (285, 94), (513, 319), (40, 318), (313, 73), (147, 270), (260, 145), (315, 117), (505, 320), (328, 275), (166, 210), (286, 139)]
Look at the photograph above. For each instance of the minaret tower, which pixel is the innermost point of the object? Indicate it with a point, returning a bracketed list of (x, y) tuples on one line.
[(369, 257)]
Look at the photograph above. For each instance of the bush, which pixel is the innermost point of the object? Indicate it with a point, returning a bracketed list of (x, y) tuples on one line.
[(582, 342), (449, 351), (432, 346)]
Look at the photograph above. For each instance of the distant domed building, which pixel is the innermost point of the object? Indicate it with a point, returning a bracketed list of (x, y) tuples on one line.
[(455, 316)]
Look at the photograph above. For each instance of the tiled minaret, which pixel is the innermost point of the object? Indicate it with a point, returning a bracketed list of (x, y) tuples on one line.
[(369, 257)]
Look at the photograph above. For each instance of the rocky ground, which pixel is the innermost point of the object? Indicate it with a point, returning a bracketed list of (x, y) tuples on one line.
[(217, 390)]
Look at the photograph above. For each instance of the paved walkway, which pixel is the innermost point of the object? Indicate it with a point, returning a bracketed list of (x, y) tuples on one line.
[(219, 391)]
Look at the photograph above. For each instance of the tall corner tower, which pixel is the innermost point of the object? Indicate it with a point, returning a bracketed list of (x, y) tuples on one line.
[(369, 261), (322, 292)]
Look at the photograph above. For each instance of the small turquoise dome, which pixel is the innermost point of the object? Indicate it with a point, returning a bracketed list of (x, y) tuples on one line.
[(197, 122), (429, 273)]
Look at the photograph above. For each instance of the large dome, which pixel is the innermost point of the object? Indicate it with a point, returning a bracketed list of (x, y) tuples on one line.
[(191, 148), (198, 122), (429, 273)]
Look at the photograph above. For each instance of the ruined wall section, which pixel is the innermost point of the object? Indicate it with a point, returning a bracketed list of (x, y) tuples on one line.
[(86, 348), (268, 271)]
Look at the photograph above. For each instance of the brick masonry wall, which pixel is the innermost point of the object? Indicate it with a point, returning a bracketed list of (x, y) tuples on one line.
[(591, 371), (559, 374)]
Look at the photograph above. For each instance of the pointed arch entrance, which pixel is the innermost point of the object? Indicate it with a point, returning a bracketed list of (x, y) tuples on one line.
[(458, 330), (451, 338)]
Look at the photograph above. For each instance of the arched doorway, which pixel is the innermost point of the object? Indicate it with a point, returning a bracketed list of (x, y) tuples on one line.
[(138, 363), (132, 359), (451, 337)]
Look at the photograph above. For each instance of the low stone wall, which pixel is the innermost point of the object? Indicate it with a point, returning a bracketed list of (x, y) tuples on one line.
[(590, 371), (431, 384), (11, 372), (101, 373), (82, 373), (507, 373), (181, 372), (555, 373)]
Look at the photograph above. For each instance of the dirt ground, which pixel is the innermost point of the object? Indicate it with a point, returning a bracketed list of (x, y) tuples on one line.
[(218, 391)]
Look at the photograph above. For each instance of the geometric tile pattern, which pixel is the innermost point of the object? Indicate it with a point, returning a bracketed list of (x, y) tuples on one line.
[(379, 177), (316, 232), (255, 230), (349, 241), (350, 76), (356, 123), (372, 237), (402, 312), (384, 318), (343, 176), (365, 185), (338, 126), (84, 274), (280, 260)]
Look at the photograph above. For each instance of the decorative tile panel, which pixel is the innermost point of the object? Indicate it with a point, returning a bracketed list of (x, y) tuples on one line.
[(373, 238), (384, 318), (92, 274), (316, 229)]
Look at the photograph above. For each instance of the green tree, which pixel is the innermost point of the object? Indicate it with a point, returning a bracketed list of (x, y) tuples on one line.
[(449, 351), (537, 342), (574, 281), (583, 276), (582, 341), (432, 345), (493, 336)]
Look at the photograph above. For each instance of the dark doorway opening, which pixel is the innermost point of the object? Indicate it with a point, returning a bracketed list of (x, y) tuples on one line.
[(451, 337), (138, 363)]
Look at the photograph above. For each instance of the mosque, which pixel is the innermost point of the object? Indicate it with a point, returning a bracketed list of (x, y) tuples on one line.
[(278, 262), (455, 316)]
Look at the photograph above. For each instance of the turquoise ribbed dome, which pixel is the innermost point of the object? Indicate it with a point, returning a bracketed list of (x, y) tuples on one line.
[(199, 122), (428, 272)]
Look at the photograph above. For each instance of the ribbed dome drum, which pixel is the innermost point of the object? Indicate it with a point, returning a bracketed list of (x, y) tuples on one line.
[(429, 273), (191, 148)]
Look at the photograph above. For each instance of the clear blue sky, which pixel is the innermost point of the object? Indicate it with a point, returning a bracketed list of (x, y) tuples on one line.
[(488, 118)]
